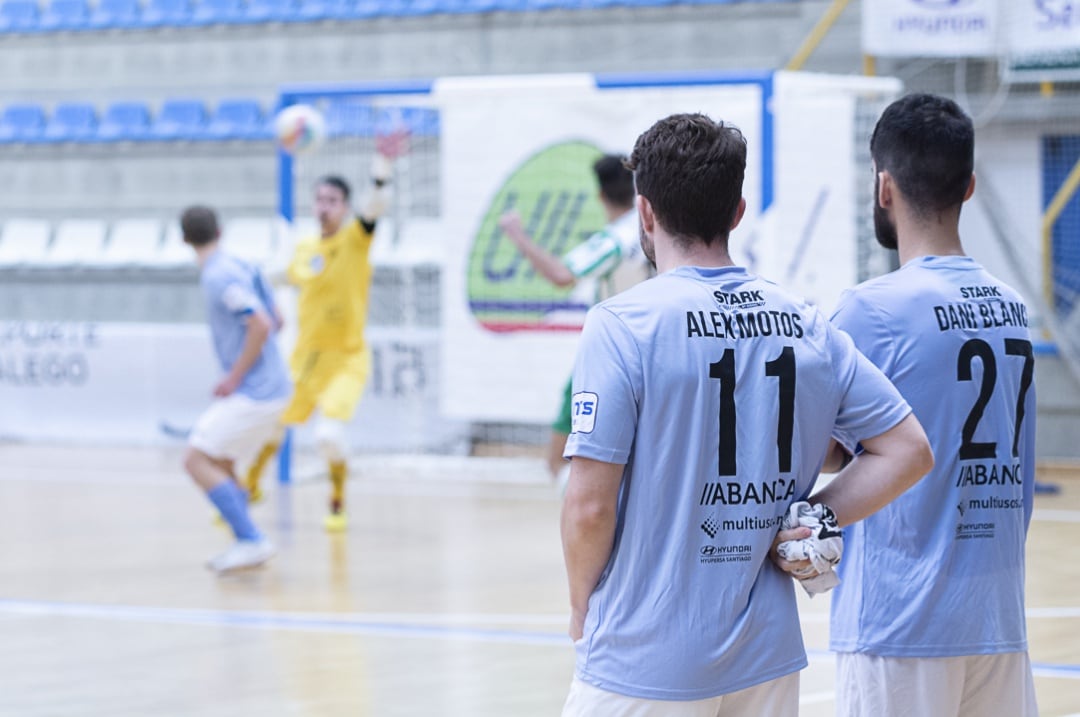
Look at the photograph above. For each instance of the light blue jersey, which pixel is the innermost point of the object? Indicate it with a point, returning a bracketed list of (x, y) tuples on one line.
[(233, 291), (940, 571), (718, 391)]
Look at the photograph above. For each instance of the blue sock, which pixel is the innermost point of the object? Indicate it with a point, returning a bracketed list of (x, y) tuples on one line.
[(232, 503)]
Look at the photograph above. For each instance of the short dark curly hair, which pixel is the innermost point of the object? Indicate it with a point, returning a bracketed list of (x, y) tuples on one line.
[(691, 170)]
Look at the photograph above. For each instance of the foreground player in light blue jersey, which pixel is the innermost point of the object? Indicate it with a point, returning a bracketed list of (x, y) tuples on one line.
[(929, 615), (703, 404), (251, 396)]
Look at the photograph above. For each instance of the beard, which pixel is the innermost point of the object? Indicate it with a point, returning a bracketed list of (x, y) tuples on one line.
[(647, 245), (884, 228)]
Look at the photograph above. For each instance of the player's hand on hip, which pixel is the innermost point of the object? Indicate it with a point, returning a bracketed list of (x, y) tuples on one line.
[(226, 387), (794, 568)]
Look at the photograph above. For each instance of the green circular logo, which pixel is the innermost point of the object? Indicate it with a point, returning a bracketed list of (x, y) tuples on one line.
[(554, 191)]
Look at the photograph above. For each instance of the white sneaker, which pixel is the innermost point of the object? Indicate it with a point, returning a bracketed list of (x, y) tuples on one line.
[(244, 554)]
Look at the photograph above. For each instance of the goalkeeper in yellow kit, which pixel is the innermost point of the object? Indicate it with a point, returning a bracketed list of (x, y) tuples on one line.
[(331, 361)]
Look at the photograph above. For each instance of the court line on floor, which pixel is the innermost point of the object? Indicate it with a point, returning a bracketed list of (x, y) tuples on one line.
[(414, 486), (1056, 515), (344, 625), (301, 622)]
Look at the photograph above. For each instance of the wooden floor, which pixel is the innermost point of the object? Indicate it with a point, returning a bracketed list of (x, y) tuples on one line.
[(446, 597)]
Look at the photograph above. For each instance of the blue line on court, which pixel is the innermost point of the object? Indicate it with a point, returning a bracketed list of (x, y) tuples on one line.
[(343, 625), (274, 621)]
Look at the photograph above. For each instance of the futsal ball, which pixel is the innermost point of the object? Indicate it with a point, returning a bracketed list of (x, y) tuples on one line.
[(300, 129)]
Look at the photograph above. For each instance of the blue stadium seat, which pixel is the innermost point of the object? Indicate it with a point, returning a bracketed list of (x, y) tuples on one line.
[(313, 10), (158, 13), (72, 122), (403, 8), (22, 123), (115, 13), (469, 6), (218, 12), (179, 119), (367, 8), (125, 121), (271, 10), (20, 16), (65, 15), (238, 119), (350, 119)]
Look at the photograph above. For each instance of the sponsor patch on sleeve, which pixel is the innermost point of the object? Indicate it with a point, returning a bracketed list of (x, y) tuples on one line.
[(583, 412)]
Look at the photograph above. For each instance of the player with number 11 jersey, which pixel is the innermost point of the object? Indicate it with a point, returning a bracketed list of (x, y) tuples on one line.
[(739, 386)]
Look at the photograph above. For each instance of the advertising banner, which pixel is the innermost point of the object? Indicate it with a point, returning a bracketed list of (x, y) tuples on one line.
[(528, 143), (1043, 41), (931, 28), (144, 384)]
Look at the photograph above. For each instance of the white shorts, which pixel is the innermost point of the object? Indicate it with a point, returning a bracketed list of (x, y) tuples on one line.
[(234, 428), (776, 698), (967, 686)]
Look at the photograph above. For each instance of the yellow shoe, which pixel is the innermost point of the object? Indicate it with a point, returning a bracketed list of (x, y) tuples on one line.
[(335, 523)]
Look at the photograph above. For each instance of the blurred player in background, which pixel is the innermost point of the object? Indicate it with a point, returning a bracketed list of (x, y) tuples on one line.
[(251, 396), (704, 402), (331, 361), (929, 615), (606, 263)]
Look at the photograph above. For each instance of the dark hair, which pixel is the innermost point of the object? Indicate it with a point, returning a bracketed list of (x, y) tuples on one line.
[(691, 170), (616, 181), (333, 180), (927, 144), (199, 225)]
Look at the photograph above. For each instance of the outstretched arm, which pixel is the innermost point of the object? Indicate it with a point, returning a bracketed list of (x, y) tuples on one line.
[(550, 266), (387, 149)]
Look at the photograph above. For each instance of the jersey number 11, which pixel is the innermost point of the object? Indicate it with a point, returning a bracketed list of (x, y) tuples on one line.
[(783, 368)]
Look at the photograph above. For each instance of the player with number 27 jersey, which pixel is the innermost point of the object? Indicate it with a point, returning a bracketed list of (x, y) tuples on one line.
[(738, 386), (945, 557)]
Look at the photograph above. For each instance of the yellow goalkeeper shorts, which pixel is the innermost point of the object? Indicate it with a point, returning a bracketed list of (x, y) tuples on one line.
[(331, 381)]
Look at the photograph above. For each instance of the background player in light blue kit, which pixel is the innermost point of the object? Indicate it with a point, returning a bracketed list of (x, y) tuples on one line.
[(251, 396), (703, 404), (929, 616)]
